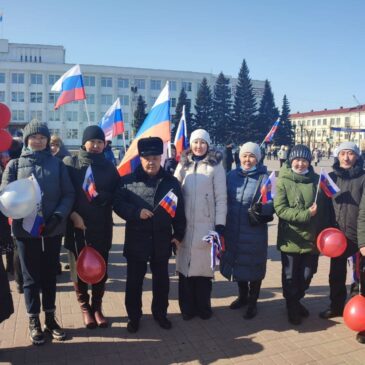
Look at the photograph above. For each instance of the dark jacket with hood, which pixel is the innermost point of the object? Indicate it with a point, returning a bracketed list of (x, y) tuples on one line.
[(149, 239)]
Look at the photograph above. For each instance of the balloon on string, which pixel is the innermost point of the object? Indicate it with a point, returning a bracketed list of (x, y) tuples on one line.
[(18, 199), (90, 266), (5, 140), (5, 115), (331, 242), (354, 313)]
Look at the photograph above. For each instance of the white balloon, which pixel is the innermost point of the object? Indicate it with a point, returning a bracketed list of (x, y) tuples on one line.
[(18, 199)]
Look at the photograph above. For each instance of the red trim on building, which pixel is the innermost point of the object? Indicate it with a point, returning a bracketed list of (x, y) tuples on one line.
[(353, 109)]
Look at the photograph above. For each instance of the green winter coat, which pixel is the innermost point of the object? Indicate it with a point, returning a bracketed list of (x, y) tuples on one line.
[(297, 230)]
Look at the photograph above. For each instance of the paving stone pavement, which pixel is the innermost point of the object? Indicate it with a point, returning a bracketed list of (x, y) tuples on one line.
[(226, 338)]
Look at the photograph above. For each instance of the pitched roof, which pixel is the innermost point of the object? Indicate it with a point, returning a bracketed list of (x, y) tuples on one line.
[(341, 110)]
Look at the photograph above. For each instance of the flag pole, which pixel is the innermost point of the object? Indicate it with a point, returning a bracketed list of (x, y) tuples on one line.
[(87, 112), (125, 148), (319, 182)]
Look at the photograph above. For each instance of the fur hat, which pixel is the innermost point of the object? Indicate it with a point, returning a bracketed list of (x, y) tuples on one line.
[(202, 134), (253, 148), (151, 146), (35, 127), (300, 151), (92, 132)]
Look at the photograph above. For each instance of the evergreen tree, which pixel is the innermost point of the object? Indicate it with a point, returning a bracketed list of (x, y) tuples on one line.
[(182, 100), (203, 108), (244, 108), (221, 130), (139, 114), (268, 114), (285, 133)]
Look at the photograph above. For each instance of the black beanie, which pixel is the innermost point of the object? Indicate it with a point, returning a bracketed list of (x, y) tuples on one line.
[(93, 132), (300, 151), (35, 127)]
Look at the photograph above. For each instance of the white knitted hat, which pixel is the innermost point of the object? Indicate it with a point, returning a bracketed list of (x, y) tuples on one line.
[(253, 148), (202, 134)]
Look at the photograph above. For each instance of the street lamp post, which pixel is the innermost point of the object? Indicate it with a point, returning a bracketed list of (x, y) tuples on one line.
[(134, 90), (359, 107)]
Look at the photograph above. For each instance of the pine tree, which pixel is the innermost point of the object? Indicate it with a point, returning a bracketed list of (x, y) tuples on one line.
[(268, 114), (182, 100), (203, 108), (285, 133), (221, 130), (244, 108), (139, 114)]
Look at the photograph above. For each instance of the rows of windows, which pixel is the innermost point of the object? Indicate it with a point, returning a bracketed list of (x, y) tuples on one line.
[(323, 122)]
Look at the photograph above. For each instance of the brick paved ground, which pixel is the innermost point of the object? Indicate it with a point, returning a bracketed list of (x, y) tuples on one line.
[(225, 339)]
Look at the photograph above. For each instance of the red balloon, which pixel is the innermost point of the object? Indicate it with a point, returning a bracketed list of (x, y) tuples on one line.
[(90, 266), (5, 140), (331, 242), (354, 313), (5, 115)]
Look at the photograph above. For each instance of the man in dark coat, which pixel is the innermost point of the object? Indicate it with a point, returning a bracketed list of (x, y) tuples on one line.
[(151, 230)]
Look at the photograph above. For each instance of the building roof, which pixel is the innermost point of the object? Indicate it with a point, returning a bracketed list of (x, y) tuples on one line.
[(341, 110)]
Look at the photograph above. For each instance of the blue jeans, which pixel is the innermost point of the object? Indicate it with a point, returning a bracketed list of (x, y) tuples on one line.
[(39, 272)]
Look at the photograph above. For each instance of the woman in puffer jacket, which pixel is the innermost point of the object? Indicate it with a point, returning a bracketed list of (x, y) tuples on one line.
[(203, 182)]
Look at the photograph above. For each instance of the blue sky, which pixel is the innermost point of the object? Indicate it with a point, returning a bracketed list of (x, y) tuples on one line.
[(312, 50)]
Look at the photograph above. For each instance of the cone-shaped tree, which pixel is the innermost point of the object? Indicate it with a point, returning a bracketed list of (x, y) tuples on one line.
[(182, 100), (285, 133), (139, 114), (203, 108)]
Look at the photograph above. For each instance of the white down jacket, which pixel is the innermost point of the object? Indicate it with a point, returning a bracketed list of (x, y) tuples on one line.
[(205, 196)]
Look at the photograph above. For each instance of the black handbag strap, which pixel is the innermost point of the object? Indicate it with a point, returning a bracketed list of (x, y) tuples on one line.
[(257, 189)]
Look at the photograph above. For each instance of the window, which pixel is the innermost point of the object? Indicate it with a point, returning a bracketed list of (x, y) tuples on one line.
[(173, 102), (173, 86), (36, 79), (347, 122), (324, 121), (319, 122), (2, 78), (124, 99), (106, 82), (125, 118), (186, 85), (54, 115), (123, 83), (17, 96), (52, 97), (71, 116), (52, 79), (91, 115), (332, 121), (89, 80), (106, 99), (2, 95), (313, 123), (72, 134), (155, 84), (54, 132), (17, 78), (36, 114), (308, 122), (36, 97), (17, 114), (140, 83), (152, 100), (90, 98), (338, 121)]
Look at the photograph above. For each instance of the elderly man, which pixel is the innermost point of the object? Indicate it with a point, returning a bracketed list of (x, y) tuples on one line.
[(349, 176), (151, 230)]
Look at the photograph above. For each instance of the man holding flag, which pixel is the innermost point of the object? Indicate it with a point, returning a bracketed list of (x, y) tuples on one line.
[(151, 202)]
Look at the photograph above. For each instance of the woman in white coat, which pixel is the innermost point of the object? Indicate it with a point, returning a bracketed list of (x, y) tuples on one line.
[(203, 182)]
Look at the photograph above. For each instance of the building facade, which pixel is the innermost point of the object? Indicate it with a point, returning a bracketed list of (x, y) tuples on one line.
[(326, 129), (28, 71)]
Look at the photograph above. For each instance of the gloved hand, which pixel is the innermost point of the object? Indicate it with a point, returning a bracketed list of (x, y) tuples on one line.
[(51, 224), (257, 207), (102, 198)]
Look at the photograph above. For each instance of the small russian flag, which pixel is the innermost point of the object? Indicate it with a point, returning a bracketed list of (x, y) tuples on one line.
[(89, 186), (268, 190), (181, 137), (327, 184), (269, 137), (169, 203)]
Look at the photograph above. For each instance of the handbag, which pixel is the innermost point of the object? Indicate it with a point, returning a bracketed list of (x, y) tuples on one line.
[(255, 217)]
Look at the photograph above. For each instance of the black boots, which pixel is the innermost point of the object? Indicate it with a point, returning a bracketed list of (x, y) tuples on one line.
[(96, 303), (253, 295), (241, 300), (53, 328), (35, 331), (83, 299)]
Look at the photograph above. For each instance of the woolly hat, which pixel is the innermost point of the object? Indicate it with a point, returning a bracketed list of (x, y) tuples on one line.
[(253, 148), (347, 146), (202, 134), (93, 132), (151, 146), (300, 151), (35, 127)]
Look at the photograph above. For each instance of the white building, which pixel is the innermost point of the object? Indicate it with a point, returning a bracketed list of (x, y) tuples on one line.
[(28, 71)]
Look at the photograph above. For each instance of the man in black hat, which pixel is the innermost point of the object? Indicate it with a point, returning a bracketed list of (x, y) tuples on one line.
[(151, 230)]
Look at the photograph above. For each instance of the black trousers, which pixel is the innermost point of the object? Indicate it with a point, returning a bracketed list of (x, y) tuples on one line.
[(194, 295), (249, 290), (136, 271), (297, 274)]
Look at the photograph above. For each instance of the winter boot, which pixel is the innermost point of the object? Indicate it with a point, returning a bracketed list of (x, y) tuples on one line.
[(253, 295), (10, 262), (242, 295), (35, 331), (96, 304), (53, 328), (83, 299)]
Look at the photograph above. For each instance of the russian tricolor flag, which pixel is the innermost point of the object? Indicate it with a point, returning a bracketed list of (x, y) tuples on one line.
[(268, 190), (269, 137), (169, 203), (112, 122), (181, 137), (327, 184), (89, 186), (156, 124), (71, 87)]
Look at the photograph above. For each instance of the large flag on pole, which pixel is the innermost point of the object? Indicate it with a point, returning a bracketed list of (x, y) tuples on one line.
[(156, 124), (269, 137), (71, 87), (112, 122), (181, 137)]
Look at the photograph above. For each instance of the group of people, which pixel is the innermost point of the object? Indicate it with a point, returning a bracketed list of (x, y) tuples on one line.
[(173, 209)]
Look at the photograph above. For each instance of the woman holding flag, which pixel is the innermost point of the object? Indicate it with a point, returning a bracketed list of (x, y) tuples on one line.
[(246, 244), (95, 180), (301, 218)]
